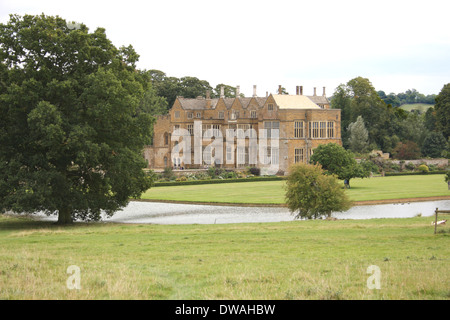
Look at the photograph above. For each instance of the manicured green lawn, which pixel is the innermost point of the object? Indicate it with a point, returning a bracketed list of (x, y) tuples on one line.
[(266, 192), (316, 259)]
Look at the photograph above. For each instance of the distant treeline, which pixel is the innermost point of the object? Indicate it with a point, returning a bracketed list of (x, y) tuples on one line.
[(188, 87), (407, 97)]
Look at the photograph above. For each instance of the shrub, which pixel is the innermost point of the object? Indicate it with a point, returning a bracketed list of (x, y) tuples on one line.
[(423, 168), (410, 166), (254, 171), (168, 173)]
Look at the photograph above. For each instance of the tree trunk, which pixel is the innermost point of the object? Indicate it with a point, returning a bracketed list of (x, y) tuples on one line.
[(64, 216)]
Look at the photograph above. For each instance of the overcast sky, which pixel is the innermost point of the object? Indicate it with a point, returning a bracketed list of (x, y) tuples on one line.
[(397, 45)]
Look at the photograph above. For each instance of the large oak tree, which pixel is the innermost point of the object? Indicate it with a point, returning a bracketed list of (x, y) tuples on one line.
[(72, 120)]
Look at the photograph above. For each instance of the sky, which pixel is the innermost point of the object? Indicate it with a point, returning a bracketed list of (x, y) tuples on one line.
[(398, 45)]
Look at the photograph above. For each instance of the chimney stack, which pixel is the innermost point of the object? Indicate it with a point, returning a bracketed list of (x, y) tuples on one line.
[(280, 90), (238, 91), (301, 90), (254, 90), (222, 92), (324, 92), (314, 91), (208, 99)]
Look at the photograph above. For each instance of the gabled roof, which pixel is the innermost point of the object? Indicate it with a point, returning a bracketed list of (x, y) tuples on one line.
[(201, 103), (285, 101), (319, 99), (195, 104)]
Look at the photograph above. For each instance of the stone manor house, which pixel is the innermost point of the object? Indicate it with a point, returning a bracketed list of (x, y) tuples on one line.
[(303, 123)]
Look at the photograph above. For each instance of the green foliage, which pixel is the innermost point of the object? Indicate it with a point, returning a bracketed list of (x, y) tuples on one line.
[(359, 136), (434, 144), (254, 171), (359, 98), (388, 124), (73, 120), (423, 168), (334, 159), (406, 151), (442, 108), (312, 194), (410, 96), (188, 87)]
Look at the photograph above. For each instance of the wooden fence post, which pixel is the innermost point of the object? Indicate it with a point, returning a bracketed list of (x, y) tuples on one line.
[(435, 220)]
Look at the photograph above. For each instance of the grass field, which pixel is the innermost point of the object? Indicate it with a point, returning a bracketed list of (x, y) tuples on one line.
[(272, 192), (315, 259), (422, 107)]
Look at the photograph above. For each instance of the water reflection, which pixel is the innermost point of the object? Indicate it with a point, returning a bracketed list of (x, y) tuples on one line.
[(168, 213), (165, 213)]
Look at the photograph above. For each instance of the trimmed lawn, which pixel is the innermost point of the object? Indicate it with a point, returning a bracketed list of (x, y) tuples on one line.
[(314, 259), (272, 192)]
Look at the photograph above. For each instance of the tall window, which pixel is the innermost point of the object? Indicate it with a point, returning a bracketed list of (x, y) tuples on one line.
[(190, 128), (177, 114), (314, 129), (323, 129), (269, 126), (299, 155), (330, 129), (253, 114), (299, 129), (221, 115), (229, 155), (242, 156), (270, 107), (242, 129), (190, 115), (216, 130), (207, 155)]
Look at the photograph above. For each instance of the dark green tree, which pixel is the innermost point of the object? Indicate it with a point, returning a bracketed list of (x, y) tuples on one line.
[(434, 144), (359, 98), (334, 159), (442, 108), (73, 120), (229, 91)]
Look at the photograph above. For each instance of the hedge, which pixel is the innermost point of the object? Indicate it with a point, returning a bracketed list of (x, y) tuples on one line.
[(215, 181), (387, 174)]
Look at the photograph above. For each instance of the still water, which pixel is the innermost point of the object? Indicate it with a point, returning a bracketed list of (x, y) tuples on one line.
[(165, 213), (168, 213)]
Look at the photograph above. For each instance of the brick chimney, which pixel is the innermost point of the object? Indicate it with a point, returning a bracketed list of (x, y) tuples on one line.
[(222, 92), (238, 91), (301, 90), (254, 90), (280, 90), (324, 92), (208, 99), (315, 91)]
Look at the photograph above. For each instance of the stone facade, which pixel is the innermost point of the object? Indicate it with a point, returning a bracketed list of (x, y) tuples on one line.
[(303, 122)]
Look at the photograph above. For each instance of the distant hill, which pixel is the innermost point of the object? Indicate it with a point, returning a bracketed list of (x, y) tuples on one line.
[(422, 107)]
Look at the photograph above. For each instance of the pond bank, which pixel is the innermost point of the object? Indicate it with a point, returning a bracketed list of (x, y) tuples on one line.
[(355, 203)]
